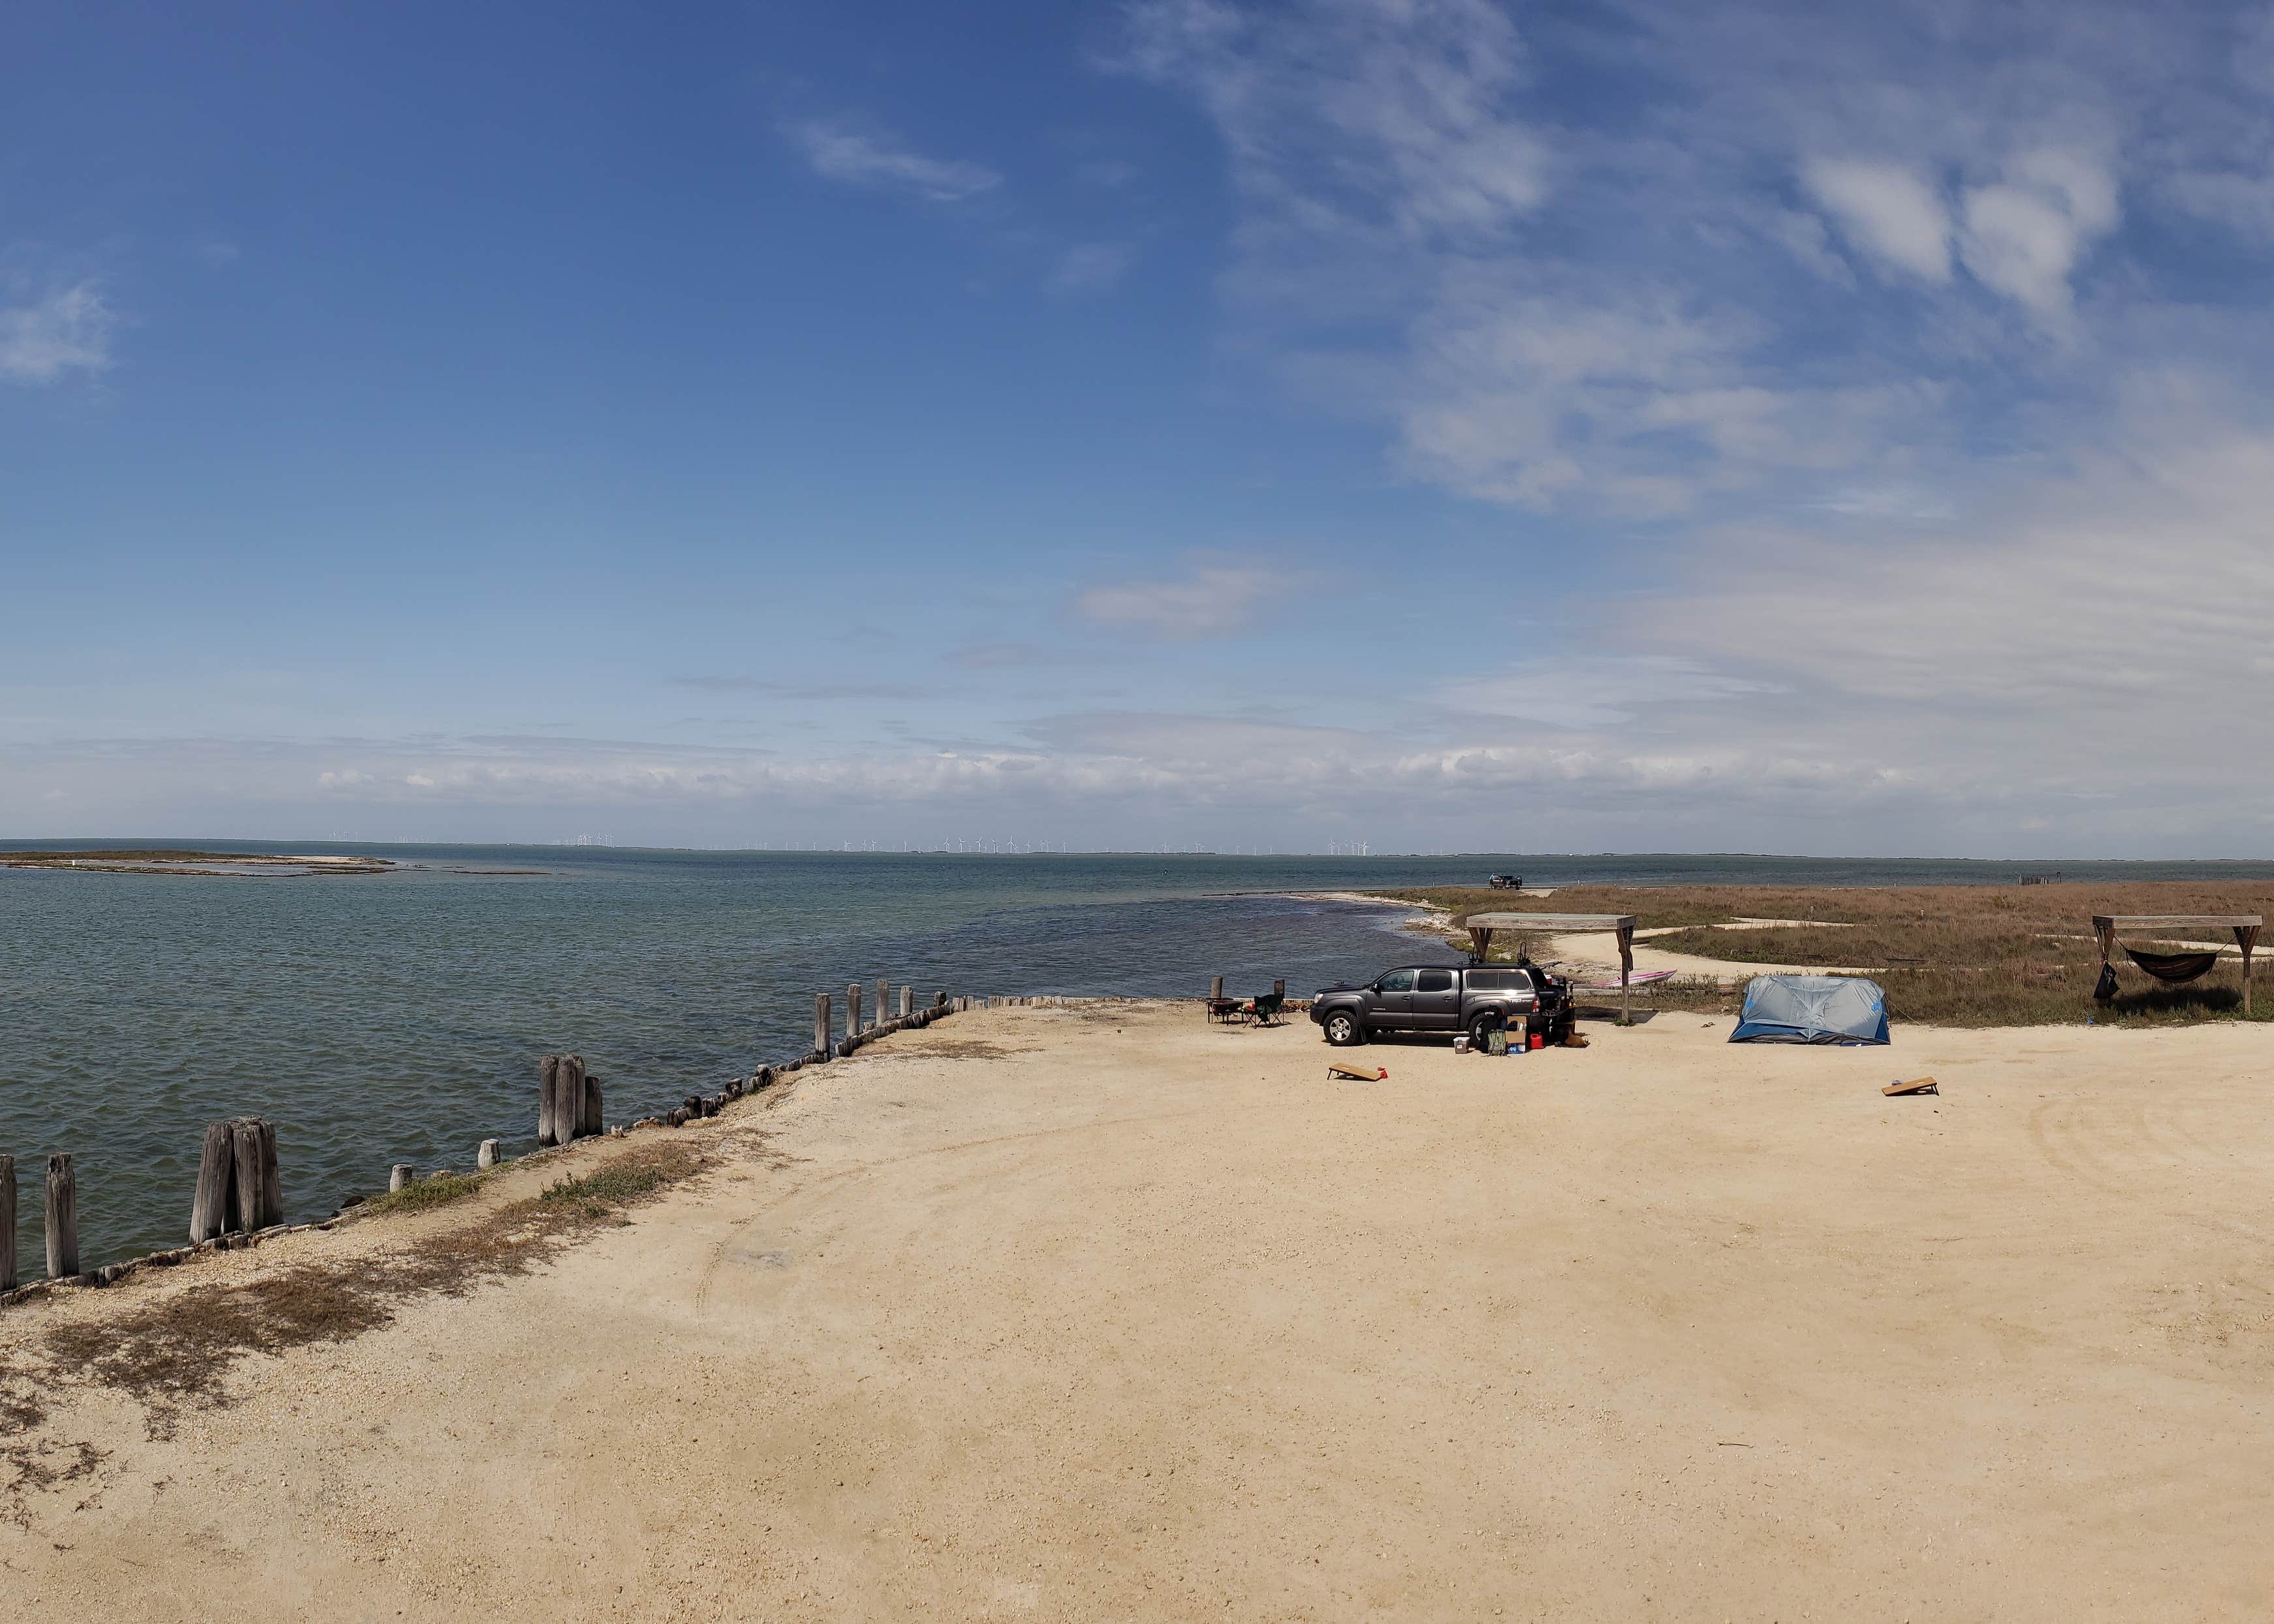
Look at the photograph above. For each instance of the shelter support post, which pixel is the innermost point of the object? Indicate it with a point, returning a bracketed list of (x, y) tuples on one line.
[(2246, 937), (1626, 970)]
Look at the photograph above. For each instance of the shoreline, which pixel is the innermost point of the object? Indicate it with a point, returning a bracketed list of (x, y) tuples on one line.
[(1734, 1292)]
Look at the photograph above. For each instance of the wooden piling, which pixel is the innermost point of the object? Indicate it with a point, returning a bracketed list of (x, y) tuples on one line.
[(821, 1028), (63, 1218), (853, 1011), (210, 1209), (272, 1175), (569, 1108), (589, 1123), (245, 1174), (400, 1176), (7, 1223), (907, 1002), (884, 999), (547, 1071), (486, 1157)]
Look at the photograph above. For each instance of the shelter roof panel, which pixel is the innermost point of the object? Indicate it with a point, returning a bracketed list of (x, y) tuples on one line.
[(2149, 921), (1549, 921)]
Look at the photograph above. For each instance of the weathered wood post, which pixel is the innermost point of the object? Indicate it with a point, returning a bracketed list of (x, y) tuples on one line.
[(2246, 937), (63, 1218), (548, 1071), (566, 1099), (244, 1153), (486, 1157), (7, 1223), (400, 1176), (883, 1000), (907, 1002), (821, 1034), (853, 1011), (939, 1000), (1279, 989), (1626, 970), (271, 1176), (210, 1204), (589, 1125)]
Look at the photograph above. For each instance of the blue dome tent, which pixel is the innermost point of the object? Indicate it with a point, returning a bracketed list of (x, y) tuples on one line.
[(1813, 1009)]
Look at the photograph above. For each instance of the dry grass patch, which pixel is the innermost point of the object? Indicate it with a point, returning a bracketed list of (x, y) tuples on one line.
[(174, 1350), (1947, 955), (951, 1048)]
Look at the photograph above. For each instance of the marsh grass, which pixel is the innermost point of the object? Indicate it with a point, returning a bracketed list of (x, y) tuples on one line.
[(596, 1194), (424, 1194), (1947, 955)]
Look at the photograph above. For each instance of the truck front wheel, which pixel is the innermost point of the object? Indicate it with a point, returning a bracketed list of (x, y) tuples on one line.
[(1343, 1029)]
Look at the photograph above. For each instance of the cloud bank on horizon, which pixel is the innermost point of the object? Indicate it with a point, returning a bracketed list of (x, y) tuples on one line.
[(1456, 424)]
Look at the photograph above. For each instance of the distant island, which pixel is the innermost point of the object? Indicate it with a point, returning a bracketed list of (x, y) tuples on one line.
[(268, 865)]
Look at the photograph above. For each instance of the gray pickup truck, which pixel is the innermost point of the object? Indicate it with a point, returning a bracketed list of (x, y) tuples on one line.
[(1471, 999)]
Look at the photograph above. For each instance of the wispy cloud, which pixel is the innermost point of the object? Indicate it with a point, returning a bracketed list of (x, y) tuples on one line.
[(998, 656), (799, 690), (1887, 210), (1594, 691), (1209, 600), (864, 155), (1088, 268), (1639, 299), (68, 331)]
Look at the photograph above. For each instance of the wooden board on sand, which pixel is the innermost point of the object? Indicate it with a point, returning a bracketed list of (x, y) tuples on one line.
[(1358, 1074), (1924, 1085)]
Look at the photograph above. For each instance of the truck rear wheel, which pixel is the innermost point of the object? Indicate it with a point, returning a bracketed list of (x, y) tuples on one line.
[(1482, 1027), (1343, 1029)]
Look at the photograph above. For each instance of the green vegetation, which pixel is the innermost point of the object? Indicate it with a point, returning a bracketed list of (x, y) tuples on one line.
[(600, 1192), (421, 1194)]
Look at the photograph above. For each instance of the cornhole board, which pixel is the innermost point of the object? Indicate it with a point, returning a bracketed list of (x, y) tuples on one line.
[(1924, 1085), (1358, 1074)]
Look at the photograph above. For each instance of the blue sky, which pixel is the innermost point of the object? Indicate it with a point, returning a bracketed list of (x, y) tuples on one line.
[(1421, 421)]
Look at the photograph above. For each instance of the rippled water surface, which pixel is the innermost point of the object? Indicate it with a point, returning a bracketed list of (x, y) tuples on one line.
[(399, 1017)]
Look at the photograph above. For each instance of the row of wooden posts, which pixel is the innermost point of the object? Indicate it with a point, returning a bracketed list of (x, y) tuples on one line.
[(240, 1188), (62, 1219), (854, 1028)]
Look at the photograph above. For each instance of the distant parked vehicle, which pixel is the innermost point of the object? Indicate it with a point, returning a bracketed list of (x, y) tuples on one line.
[(1472, 998), (1507, 881)]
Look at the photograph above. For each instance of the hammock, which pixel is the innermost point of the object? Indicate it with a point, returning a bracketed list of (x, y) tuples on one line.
[(2173, 968)]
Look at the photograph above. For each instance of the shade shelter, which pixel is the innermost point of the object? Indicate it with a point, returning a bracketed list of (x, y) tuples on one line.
[(2177, 968), (1483, 926)]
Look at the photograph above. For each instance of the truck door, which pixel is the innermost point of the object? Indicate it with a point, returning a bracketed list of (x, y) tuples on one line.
[(1389, 1003), (1436, 1001)]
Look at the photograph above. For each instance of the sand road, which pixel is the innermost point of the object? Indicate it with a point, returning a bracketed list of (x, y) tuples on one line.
[(1104, 1314)]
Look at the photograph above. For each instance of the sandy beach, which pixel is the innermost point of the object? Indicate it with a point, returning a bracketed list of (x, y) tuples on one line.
[(1103, 1312)]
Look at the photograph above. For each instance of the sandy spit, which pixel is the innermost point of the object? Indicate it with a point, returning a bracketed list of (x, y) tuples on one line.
[(1102, 1312)]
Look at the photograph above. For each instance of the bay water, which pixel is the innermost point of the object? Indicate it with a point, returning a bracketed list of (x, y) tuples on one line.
[(400, 1016)]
